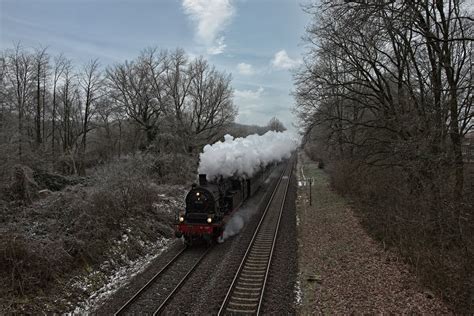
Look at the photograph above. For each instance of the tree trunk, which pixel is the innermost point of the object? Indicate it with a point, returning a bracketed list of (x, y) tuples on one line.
[(38, 107), (120, 138), (150, 134), (53, 124), (457, 150), (44, 109), (82, 170), (20, 131)]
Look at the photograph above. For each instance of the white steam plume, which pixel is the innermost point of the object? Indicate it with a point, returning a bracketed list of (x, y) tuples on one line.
[(245, 156), (237, 222), (243, 215)]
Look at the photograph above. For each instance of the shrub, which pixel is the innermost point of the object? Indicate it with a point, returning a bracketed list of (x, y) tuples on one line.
[(82, 226), (29, 264)]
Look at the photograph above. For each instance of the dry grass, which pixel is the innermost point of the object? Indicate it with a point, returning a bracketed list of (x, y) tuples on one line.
[(341, 269)]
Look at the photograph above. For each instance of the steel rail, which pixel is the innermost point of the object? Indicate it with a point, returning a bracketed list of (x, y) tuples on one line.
[(147, 285), (254, 266), (181, 282), (274, 240)]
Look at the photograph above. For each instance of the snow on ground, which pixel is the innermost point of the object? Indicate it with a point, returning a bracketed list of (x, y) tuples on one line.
[(298, 293), (119, 270), (99, 284), (118, 279)]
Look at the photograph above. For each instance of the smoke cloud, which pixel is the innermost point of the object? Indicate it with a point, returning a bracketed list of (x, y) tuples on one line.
[(244, 214), (245, 156), (237, 222)]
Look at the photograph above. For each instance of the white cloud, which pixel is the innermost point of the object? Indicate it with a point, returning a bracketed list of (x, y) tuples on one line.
[(211, 17), (245, 69), (218, 47), (249, 102), (281, 60), (248, 95)]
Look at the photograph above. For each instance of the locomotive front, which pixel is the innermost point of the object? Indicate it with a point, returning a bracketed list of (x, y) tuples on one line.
[(199, 219)]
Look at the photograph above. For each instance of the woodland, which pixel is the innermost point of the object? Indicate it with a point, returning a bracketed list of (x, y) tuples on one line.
[(385, 97)]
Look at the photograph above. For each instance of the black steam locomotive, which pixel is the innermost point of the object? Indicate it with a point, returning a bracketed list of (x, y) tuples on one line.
[(209, 205)]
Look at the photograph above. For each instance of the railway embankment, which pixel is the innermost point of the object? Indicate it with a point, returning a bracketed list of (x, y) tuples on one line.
[(70, 249), (341, 269)]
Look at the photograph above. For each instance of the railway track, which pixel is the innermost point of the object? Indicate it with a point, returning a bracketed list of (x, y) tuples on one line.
[(245, 294), (158, 291), (155, 295)]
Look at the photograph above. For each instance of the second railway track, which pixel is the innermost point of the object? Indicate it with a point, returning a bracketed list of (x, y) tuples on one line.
[(157, 292), (245, 295)]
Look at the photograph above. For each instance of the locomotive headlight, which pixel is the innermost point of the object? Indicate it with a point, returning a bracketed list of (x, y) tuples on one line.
[(198, 194), (209, 220), (181, 218)]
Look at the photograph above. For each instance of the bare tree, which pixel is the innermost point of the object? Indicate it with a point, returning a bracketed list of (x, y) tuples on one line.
[(60, 64), (110, 116), (210, 102), (91, 83), (132, 88), (276, 125), (376, 90), (3, 88), (449, 36), (69, 97), (159, 100), (20, 77), (41, 59), (177, 80)]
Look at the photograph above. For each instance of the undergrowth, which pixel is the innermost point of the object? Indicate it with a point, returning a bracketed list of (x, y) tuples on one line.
[(45, 242), (430, 229)]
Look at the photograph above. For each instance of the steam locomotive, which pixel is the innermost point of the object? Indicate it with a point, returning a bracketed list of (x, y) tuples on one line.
[(210, 205)]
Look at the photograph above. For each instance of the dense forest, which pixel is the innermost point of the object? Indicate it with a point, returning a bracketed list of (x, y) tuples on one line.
[(385, 96)]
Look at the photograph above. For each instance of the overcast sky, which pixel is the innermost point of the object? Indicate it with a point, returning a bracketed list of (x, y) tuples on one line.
[(258, 41)]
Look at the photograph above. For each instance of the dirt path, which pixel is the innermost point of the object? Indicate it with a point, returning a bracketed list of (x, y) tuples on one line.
[(341, 269)]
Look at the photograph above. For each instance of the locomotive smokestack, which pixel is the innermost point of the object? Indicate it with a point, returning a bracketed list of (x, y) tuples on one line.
[(202, 179)]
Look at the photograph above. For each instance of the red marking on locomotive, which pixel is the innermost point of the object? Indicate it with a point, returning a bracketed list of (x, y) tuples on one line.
[(196, 229), (204, 229)]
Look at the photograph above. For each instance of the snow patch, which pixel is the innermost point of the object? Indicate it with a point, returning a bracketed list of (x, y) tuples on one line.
[(118, 279), (298, 293)]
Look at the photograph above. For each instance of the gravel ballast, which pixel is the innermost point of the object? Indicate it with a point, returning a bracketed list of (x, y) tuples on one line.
[(205, 290)]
